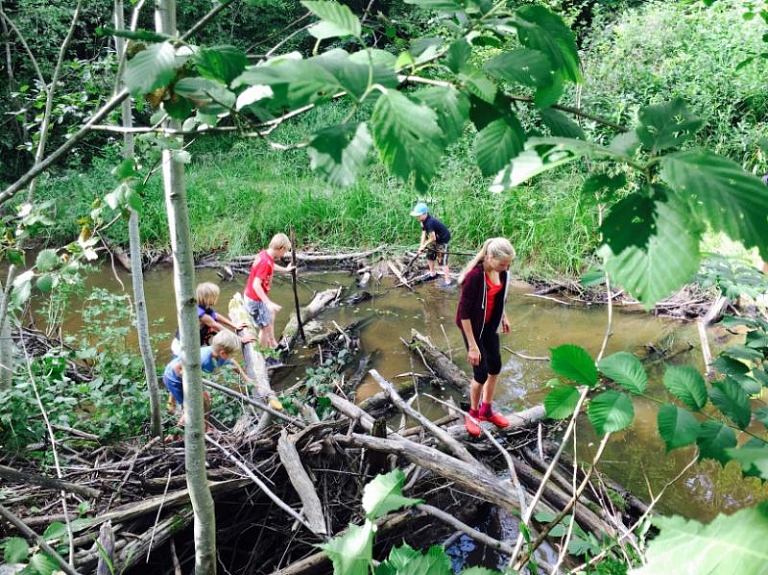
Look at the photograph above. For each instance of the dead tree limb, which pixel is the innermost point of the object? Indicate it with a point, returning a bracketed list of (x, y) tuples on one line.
[(10, 474)]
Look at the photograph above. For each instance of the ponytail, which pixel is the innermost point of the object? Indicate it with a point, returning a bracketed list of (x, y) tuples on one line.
[(493, 247)]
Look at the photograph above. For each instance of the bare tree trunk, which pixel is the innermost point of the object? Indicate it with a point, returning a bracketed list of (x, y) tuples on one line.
[(137, 275), (186, 306)]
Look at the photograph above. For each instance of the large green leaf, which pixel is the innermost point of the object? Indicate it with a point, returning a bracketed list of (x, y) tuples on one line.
[(434, 562), (686, 384), (152, 68), (46, 260), (478, 84), (626, 370), (408, 138), (221, 63), (355, 76), (666, 125), (560, 125), (351, 553), (336, 20), (677, 426), (458, 55), (629, 223), (730, 366), (522, 66), (670, 260), (541, 30), (731, 400), (729, 544), (451, 107), (385, 493), (713, 440), (338, 153), (574, 363), (611, 411), (561, 401), (730, 199), (498, 143), (15, 550), (738, 351)]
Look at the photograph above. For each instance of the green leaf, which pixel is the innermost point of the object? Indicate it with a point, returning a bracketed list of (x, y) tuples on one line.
[(56, 530), (46, 260), (479, 571), (604, 185), (731, 400), (730, 366), (125, 170), (408, 138), (385, 494), (611, 411), (560, 125), (522, 66), (713, 440), (547, 96), (451, 107), (15, 550), (43, 564), (478, 84), (152, 68), (439, 5), (338, 153), (753, 460), (352, 552), (434, 562), (730, 199), (574, 363), (561, 401), (686, 384), (221, 63), (743, 352), (541, 30), (45, 283), (498, 143), (336, 20), (730, 543), (630, 222), (399, 557), (458, 55), (666, 126), (354, 77), (669, 261), (626, 370), (592, 278), (209, 96), (22, 287), (677, 426)]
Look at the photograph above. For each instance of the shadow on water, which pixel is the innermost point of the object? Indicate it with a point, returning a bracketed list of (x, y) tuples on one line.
[(634, 458)]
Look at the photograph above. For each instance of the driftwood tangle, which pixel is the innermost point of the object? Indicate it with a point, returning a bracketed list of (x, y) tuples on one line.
[(284, 483)]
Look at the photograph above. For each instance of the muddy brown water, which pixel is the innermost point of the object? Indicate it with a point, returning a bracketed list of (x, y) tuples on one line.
[(635, 457)]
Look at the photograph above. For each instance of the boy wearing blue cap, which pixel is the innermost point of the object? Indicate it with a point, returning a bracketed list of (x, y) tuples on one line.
[(434, 238)]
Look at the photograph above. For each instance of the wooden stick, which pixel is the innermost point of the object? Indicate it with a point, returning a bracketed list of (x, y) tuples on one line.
[(47, 482), (291, 460), (295, 291)]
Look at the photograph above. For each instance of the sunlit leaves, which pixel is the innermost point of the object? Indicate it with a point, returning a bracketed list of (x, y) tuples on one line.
[(752, 457), (15, 550), (730, 199), (677, 427), (434, 562), (731, 400), (221, 63), (687, 384), (152, 68), (408, 138), (714, 439), (574, 363), (540, 29), (458, 54), (626, 370), (498, 143), (338, 153), (669, 260), (351, 553), (336, 20), (666, 126), (611, 411), (385, 494), (561, 401), (692, 547), (451, 107), (560, 125)]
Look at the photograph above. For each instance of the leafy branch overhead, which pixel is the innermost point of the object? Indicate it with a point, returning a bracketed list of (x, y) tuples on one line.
[(671, 193)]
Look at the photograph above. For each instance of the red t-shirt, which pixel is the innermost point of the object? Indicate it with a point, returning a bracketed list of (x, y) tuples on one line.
[(263, 268), (493, 289)]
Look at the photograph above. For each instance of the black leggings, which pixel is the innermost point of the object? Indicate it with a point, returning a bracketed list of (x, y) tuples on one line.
[(490, 356)]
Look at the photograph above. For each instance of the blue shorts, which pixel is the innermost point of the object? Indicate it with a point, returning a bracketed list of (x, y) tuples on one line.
[(176, 389), (259, 312)]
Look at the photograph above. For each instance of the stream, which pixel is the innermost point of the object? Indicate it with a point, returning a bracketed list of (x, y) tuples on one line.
[(635, 457)]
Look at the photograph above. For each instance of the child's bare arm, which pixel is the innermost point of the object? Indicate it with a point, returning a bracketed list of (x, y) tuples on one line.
[(224, 320), (240, 371)]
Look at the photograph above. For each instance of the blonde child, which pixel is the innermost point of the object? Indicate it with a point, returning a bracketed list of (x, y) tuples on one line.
[(224, 346)]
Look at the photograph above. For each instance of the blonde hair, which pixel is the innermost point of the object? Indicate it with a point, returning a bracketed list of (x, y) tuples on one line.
[(496, 248), (280, 241), (207, 294), (227, 341)]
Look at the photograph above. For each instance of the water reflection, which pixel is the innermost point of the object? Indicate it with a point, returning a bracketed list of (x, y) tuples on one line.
[(635, 457)]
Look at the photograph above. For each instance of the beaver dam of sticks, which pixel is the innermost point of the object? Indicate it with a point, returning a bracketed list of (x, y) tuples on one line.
[(285, 481)]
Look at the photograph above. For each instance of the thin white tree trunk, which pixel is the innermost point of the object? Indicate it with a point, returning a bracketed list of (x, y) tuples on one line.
[(137, 274), (186, 311)]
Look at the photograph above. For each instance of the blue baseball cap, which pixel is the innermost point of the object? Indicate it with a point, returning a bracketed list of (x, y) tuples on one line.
[(420, 209)]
